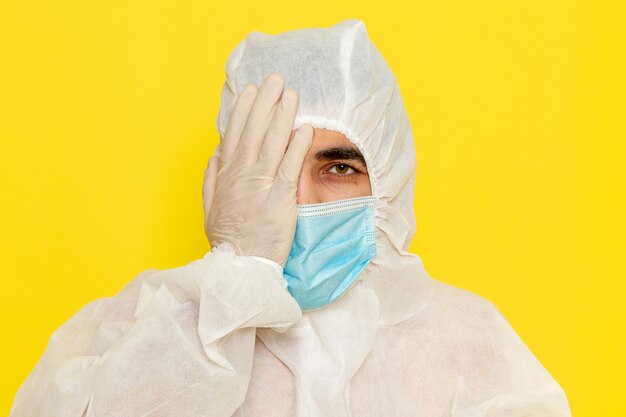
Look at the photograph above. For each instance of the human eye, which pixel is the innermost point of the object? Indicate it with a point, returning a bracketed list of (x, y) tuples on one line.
[(341, 171)]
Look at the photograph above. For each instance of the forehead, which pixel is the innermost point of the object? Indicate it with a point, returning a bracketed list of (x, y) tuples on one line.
[(325, 138)]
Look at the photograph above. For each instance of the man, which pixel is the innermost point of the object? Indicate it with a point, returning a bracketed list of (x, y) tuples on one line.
[(308, 303)]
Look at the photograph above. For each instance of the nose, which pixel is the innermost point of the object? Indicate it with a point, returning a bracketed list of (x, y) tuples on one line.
[(308, 191)]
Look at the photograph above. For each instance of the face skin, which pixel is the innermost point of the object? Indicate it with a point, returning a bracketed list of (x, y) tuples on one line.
[(332, 170)]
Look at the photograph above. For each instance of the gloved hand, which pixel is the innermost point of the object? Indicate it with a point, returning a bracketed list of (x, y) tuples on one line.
[(249, 189)]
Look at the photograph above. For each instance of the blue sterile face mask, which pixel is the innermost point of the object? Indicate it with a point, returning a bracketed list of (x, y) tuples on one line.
[(333, 242)]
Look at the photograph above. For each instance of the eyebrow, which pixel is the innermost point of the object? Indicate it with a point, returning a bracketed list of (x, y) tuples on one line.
[(340, 152)]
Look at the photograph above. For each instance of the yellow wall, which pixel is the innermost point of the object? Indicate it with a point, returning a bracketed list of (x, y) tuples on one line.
[(108, 118)]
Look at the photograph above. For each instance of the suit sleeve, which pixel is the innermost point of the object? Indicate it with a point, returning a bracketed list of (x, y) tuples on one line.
[(173, 341)]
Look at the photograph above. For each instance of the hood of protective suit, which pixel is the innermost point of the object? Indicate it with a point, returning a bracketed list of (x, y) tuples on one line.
[(345, 85)]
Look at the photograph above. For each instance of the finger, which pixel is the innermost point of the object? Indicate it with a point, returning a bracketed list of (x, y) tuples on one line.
[(236, 122), (291, 165), (278, 134), (208, 187), (259, 119)]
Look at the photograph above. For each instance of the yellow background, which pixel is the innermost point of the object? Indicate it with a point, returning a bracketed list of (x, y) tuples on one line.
[(108, 119)]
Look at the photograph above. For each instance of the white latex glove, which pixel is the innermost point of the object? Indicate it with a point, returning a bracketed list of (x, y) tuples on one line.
[(249, 190)]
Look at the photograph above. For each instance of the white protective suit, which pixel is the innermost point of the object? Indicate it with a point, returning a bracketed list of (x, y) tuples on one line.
[(221, 336)]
